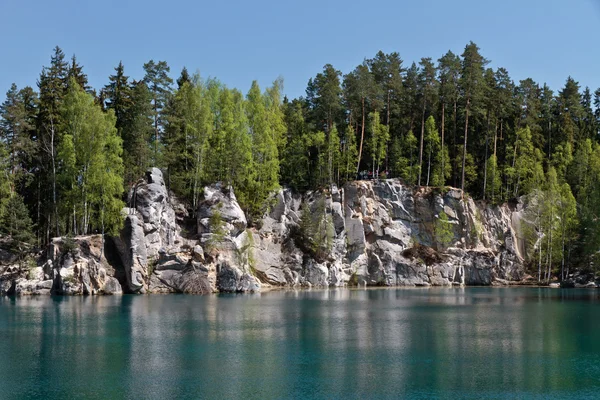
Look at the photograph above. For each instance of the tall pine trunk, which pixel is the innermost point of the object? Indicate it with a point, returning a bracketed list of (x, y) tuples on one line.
[(362, 136), (53, 157), (443, 154), (487, 132), (464, 160), (421, 145), (496, 162), (455, 172)]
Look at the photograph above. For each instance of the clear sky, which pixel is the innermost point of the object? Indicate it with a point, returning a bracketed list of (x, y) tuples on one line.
[(239, 41)]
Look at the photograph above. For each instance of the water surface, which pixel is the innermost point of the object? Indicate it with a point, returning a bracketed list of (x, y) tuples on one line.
[(405, 343)]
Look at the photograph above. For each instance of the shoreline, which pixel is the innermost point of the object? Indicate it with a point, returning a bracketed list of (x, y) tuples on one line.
[(272, 289)]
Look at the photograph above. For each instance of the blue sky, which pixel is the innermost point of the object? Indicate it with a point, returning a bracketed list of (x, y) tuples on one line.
[(240, 41)]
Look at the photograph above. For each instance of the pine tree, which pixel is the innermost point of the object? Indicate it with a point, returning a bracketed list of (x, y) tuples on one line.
[(159, 85), (119, 97), (471, 85), (294, 163), (184, 78), (5, 182), (52, 85), (16, 223), (360, 89), (76, 72), (324, 98), (448, 68), (16, 125), (427, 91), (137, 133)]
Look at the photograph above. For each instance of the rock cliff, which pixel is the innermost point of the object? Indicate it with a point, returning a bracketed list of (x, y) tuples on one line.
[(368, 233)]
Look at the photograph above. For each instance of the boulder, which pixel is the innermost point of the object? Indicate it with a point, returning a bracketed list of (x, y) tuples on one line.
[(221, 199)]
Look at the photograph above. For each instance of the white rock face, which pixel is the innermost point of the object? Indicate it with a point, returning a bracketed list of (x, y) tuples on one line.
[(150, 237), (383, 234), (372, 233)]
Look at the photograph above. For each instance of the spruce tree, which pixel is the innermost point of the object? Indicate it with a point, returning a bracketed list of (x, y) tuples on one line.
[(119, 97), (52, 85), (159, 85)]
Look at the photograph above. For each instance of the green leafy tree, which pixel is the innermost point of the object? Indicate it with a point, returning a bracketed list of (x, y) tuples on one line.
[(494, 179), (265, 119), (91, 165), (349, 155), (432, 147), (406, 163), (380, 136)]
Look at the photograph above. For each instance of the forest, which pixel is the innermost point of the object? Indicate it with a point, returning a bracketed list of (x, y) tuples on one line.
[(69, 153)]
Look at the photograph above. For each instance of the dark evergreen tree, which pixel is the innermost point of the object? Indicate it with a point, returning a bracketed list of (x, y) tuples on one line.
[(158, 83)]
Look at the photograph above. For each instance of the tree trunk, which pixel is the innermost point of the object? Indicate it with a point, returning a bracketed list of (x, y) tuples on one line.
[(421, 145), (562, 266), (454, 155), (443, 125), (464, 160), (496, 161), (428, 167), (550, 140), (52, 155), (155, 133), (485, 163), (362, 136)]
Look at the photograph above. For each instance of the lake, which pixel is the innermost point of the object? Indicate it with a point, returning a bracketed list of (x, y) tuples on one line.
[(378, 343)]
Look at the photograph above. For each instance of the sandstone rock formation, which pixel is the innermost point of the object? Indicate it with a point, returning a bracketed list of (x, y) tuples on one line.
[(368, 233)]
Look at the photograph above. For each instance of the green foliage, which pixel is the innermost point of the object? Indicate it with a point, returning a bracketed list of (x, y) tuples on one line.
[(159, 85), (68, 246), (494, 180), (443, 230), (68, 154), (406, 165), (265, 120), (136, 133), (5, 182), (91, 165), (379, 139), (316, 228), (217, 225), (16, 223), (245, 254)]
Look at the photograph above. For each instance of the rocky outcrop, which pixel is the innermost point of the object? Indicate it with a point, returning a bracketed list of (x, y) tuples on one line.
[(368, 233), (71, 267), (152, 250), (382, 233)]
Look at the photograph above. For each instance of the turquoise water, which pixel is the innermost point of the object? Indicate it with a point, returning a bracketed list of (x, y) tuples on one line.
[(406, 343)]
